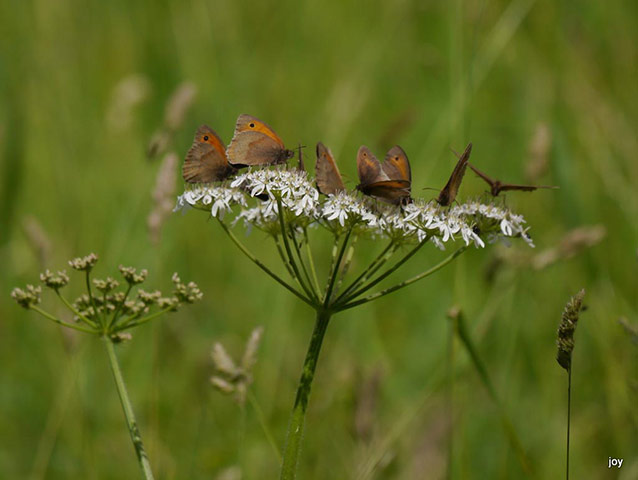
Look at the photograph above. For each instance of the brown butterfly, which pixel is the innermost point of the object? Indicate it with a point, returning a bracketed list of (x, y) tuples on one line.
[(255, 143), (374, 181), (206, 160), (327, 174), (448, 194), (496, 186)]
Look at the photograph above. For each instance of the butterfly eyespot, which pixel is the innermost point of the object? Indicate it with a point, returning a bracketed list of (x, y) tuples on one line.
[(205, 138), (251, 125)]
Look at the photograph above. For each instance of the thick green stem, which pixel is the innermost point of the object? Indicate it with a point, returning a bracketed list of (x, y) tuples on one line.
[(298, 416), (136, 438)]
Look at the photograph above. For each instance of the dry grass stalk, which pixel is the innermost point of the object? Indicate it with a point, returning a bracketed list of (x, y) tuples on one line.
[(163, 197)]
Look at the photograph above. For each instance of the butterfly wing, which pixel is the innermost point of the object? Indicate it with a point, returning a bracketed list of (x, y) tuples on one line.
[(327, 176), (255, 143), (396, 165), (448, 193), (206, 159), (247, 123), (391, 191), (369, 168)]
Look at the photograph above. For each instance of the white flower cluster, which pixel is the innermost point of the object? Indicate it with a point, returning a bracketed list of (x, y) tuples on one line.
[(418, 221)]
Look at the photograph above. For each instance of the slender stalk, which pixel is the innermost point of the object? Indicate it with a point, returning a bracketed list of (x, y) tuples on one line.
[(264, 426), (119, 307), (387, 273), (283, 258), (131, 423), (366, 273), (466, 339), (61, 322), (88, 289), (333, 262), (134, 322), (315, 292), (347, 262), (335, 271), (449, 392), (569, 408), (298, 416), (257, 262), (369, 298), (311, 261), (293, 264), (70, 306)]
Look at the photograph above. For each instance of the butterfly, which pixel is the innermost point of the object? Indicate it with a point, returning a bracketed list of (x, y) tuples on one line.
[(448, 193), (255, 143), (376, 182), (327, 174), (206, 160), (496, 186)]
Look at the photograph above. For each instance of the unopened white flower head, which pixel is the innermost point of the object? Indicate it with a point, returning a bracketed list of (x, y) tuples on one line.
[(471, 223)]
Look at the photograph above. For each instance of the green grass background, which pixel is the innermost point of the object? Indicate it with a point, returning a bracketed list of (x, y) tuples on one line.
[(345, 73)]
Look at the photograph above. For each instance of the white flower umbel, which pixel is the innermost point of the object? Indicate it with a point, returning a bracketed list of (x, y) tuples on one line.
[(471, 222), (284, 203)]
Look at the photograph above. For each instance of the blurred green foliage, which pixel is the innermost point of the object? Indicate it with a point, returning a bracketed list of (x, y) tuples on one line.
[(427, 75)]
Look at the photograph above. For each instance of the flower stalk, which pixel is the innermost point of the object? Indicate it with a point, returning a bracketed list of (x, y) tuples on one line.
[(293, 205), (127, 408), (108, 314)]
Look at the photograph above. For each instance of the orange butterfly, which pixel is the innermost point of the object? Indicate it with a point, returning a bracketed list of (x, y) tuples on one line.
[(327, 174), (376, 182), (255, 143), (496, 186), (206, 159), (448, 194)]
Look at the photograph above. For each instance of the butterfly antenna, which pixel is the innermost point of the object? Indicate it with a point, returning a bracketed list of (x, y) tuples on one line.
[(301, 167), (458, 155)]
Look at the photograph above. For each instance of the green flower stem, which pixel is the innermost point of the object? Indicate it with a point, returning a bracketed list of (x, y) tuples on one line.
[(315, 292), (68, 304), (134, 322), (311, 261), (403, 284), (61, 322), (368, 272), (569, 412), (333, 261), (335, 270), (89, 291), (283, 257), (119, 307), (257, 262), (489, 386), (136, 438), (385, 274), (297, 418), (347, 261), (293, 264)]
